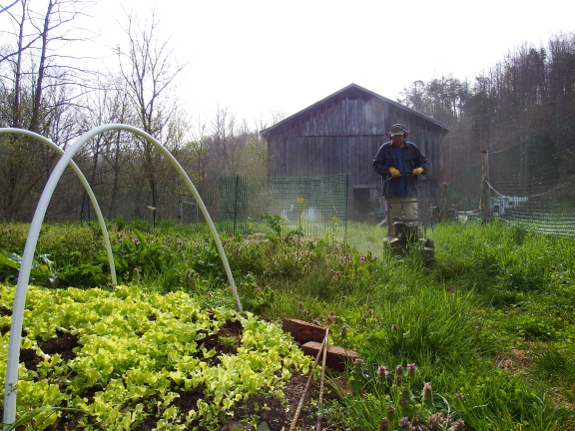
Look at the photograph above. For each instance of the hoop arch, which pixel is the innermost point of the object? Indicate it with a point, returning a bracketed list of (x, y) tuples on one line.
[(86, 185), (29, 249)]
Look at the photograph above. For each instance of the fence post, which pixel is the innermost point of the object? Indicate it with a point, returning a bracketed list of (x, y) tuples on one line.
[(154, 206), (443, 207), (346, 204), (484, 205), (236, 201)]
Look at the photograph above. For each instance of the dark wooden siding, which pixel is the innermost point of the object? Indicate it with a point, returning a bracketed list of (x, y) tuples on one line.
[(308, 156), (341, 136)]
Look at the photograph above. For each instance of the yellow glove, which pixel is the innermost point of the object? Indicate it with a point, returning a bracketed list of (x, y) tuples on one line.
[(417, 171), (394, 172)]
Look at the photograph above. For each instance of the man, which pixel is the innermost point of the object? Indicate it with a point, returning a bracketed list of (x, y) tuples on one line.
[(400, 163)]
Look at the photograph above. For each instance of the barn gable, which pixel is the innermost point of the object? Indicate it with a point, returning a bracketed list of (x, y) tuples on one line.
[(342, 133)]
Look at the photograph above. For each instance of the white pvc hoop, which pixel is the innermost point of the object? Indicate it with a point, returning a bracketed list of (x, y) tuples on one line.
[(32, 239), (84, 181)]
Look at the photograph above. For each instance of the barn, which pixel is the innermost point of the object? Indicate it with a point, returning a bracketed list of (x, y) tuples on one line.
[(342, 133)]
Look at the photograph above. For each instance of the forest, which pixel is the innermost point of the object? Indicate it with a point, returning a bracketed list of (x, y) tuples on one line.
[(520, 96), (48, 91)]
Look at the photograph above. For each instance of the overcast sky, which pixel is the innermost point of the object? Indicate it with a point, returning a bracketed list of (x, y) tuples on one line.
[(259, 57)]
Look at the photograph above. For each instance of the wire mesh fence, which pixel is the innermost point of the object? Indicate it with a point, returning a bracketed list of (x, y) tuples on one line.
[(463, 193), (532, 183), (313, 205), (241, 204)]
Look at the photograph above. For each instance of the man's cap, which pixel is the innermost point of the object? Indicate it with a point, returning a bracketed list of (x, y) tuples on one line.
[(397, 129)]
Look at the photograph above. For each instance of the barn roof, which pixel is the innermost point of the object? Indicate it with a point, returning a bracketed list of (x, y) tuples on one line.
[(354, 89)]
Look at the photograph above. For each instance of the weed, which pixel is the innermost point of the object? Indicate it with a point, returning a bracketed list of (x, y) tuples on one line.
[(492, 289)]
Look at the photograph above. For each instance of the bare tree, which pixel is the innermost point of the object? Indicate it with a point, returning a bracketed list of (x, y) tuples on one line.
[(38, 91), (106, 156), (415, 97), (562, 75), (5, 8), (148, 70), (36, 61)]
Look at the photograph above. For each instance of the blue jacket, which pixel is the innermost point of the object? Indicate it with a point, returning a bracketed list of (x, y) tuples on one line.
[(386, 158)]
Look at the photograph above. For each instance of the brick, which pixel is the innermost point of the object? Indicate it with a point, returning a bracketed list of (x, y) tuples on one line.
[(303, 331), (336, 356)]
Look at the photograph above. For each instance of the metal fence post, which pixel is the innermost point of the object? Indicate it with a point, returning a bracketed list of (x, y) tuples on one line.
[(346, 204), (236, 202), (484, 206)]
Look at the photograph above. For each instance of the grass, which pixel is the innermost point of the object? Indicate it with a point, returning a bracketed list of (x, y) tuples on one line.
[(489, 324)]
